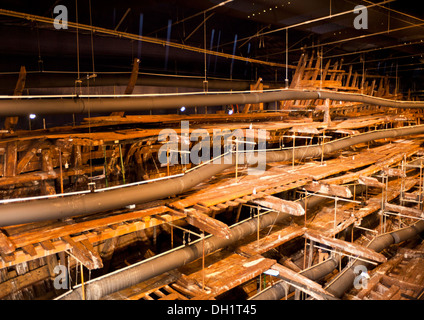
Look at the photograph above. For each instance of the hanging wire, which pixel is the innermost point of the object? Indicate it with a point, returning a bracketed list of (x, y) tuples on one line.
[(78, 81), (40, 61), (92, 43)]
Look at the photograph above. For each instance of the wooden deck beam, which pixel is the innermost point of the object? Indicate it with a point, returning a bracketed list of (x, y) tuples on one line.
[(371, 182), (348, 247), (208, 224), (85, 253), (279, 205), (301, 282)]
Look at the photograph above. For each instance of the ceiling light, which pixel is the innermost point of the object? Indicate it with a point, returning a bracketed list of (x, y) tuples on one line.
[(182, 109), (230, 112), (32, 116)]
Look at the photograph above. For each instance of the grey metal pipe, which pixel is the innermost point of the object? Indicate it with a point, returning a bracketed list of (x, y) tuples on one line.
[(48, 80), (57, 208), (279, 291), (346, 279), (24, 106), (316, 151), (121, 279)]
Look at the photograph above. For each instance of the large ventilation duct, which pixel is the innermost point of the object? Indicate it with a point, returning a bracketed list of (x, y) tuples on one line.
[(62, 207), (83, 104), (48, 80)]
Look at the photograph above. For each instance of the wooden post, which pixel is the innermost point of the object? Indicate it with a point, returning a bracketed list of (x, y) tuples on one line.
[(122, 164)]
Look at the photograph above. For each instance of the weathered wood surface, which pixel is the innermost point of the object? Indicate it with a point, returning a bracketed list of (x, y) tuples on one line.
[(396, 153), (349, 247), (228, 273), (371, 182), (305, 284), (349, 213), (93, 234), (31, 237), (404, 210), (6, 246), (280, 205), (333, 190), (143, 289), (208, 224), (85, 253), (271, 241), (392, 172)]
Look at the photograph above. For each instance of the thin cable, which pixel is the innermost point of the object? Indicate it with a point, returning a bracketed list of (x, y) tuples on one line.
[(78, 81), (91, 31)]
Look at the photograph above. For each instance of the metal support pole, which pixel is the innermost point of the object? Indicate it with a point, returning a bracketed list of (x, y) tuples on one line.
[(294, 143), (82, 282), (203, 261), (335, 217)]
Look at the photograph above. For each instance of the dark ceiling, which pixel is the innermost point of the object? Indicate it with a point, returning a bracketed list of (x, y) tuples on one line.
[(40, 47)]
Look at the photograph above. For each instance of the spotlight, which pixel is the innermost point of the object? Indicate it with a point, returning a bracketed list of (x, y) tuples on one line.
[(182, 109), (230, 112), (32, 116)]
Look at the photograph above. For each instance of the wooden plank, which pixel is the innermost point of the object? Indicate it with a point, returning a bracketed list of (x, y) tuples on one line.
[(348, 247), (392, 281), (94, 237), (279, 205), (305, 284), (6, 246), (371, 182), (392, 172), (29, 249), (131, 84), (47, 245), (22, 281), (30, 237), (271, 241), (371, 284), (208, 224), (329, 189), (404, 210), (32, 150), (85, 254)]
